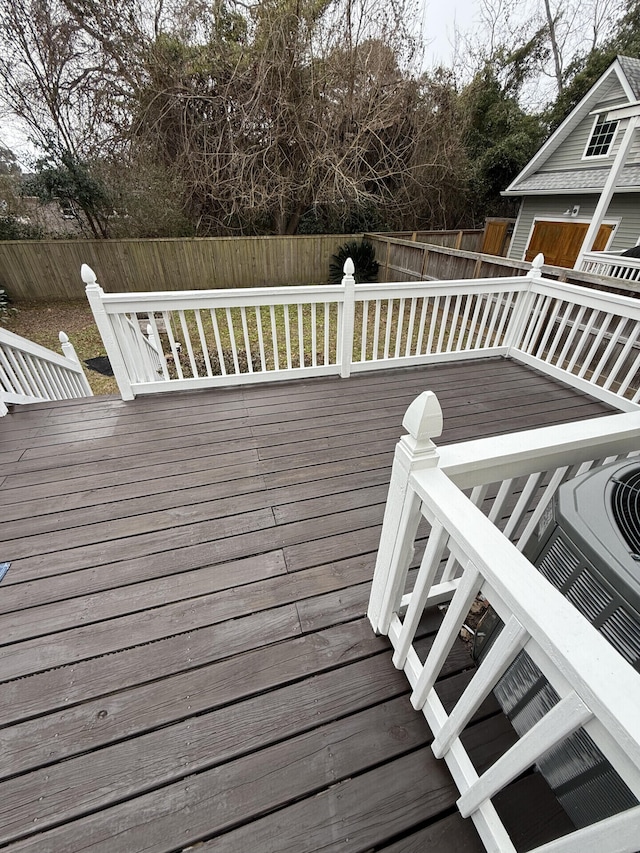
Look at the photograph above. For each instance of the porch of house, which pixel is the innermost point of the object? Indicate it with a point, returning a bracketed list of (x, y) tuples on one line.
[(186, 660)]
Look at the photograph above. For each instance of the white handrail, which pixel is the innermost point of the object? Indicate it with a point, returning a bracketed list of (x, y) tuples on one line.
[(611, 265), (588, 339), (598, 689), (30, 373)]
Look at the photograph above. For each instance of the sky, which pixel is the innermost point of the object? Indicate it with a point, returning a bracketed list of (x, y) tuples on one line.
[(441, 19)]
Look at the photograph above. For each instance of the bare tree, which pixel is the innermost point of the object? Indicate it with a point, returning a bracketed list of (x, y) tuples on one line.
[(261, 116), (567, 27)]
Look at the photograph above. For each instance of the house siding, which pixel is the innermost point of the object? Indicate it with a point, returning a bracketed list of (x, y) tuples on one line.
[(624, 207), (569, 154), (627, 208)]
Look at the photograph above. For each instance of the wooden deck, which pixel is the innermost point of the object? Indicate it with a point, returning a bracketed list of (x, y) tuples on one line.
[(185, 659)]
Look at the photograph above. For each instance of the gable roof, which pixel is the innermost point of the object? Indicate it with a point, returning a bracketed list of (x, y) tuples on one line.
[(626, 71), (631, 70)]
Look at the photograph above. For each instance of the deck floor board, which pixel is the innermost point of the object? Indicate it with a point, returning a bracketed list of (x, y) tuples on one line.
[(184, 654)]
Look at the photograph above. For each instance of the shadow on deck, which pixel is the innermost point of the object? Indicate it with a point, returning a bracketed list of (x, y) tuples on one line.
[(185, 656)]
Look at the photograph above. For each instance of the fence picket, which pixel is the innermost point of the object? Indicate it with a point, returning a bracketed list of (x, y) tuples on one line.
[(466, 592), (274, 337), (411, 326), (502, 653), (609, 350), (204, 347), (424, 304), (548, 331), (327, 334), (287, 336), (443, 322), (263, 363), (245, 335)]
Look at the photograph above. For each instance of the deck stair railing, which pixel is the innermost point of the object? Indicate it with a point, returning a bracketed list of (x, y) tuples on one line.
[(612, 266), (206, 338), (510, 479), (30, 373)]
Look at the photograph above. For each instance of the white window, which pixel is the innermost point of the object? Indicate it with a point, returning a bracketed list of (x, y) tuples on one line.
[(602, 136)]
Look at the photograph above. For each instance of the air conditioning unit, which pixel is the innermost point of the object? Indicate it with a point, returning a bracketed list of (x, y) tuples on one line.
[(588, 546)]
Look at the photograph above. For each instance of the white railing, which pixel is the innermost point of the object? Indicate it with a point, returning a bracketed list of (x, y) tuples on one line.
[(205, 338), (30, 373), (466, 555), (611, 265)]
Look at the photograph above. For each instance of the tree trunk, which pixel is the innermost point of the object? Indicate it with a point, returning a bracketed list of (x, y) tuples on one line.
[(557, 59)]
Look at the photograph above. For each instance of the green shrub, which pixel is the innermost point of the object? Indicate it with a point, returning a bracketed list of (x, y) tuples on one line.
[(363, 255), (13, 228)]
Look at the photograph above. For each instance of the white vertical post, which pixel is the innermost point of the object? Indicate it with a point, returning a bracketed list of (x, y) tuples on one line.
[(348, 320), (415, 451), (3, 407), (69, 351), (522, 309), (103, 322)]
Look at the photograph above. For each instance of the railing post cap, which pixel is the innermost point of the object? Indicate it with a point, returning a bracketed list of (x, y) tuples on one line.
[(87, 274), (536, 266), (423, 418), (63, 338), (349, 267)]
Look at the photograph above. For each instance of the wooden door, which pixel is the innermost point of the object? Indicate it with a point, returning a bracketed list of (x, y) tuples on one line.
[(497, 233), (560, 242)]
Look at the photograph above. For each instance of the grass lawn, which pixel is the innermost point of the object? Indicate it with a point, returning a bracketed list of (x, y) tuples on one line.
[(41, 322)]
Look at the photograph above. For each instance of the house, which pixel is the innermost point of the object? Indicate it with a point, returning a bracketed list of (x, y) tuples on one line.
[(563, 183), (186, 662)]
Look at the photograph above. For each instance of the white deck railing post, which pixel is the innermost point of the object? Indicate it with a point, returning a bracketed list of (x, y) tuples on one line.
[(103, 322), (345, 350), (423, 421), (69, 351)]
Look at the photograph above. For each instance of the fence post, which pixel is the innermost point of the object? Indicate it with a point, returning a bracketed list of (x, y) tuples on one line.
[(348, 319), (103, 322), (69, 351), (415, 451)]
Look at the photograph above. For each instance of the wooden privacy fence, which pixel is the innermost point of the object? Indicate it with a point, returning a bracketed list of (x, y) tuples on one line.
[(30, 373), (467, 555), (468, 239), (48, 269), (403, 259), (198, 339)]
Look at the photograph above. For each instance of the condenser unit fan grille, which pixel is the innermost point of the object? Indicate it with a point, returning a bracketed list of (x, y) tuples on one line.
[(625, 505)]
